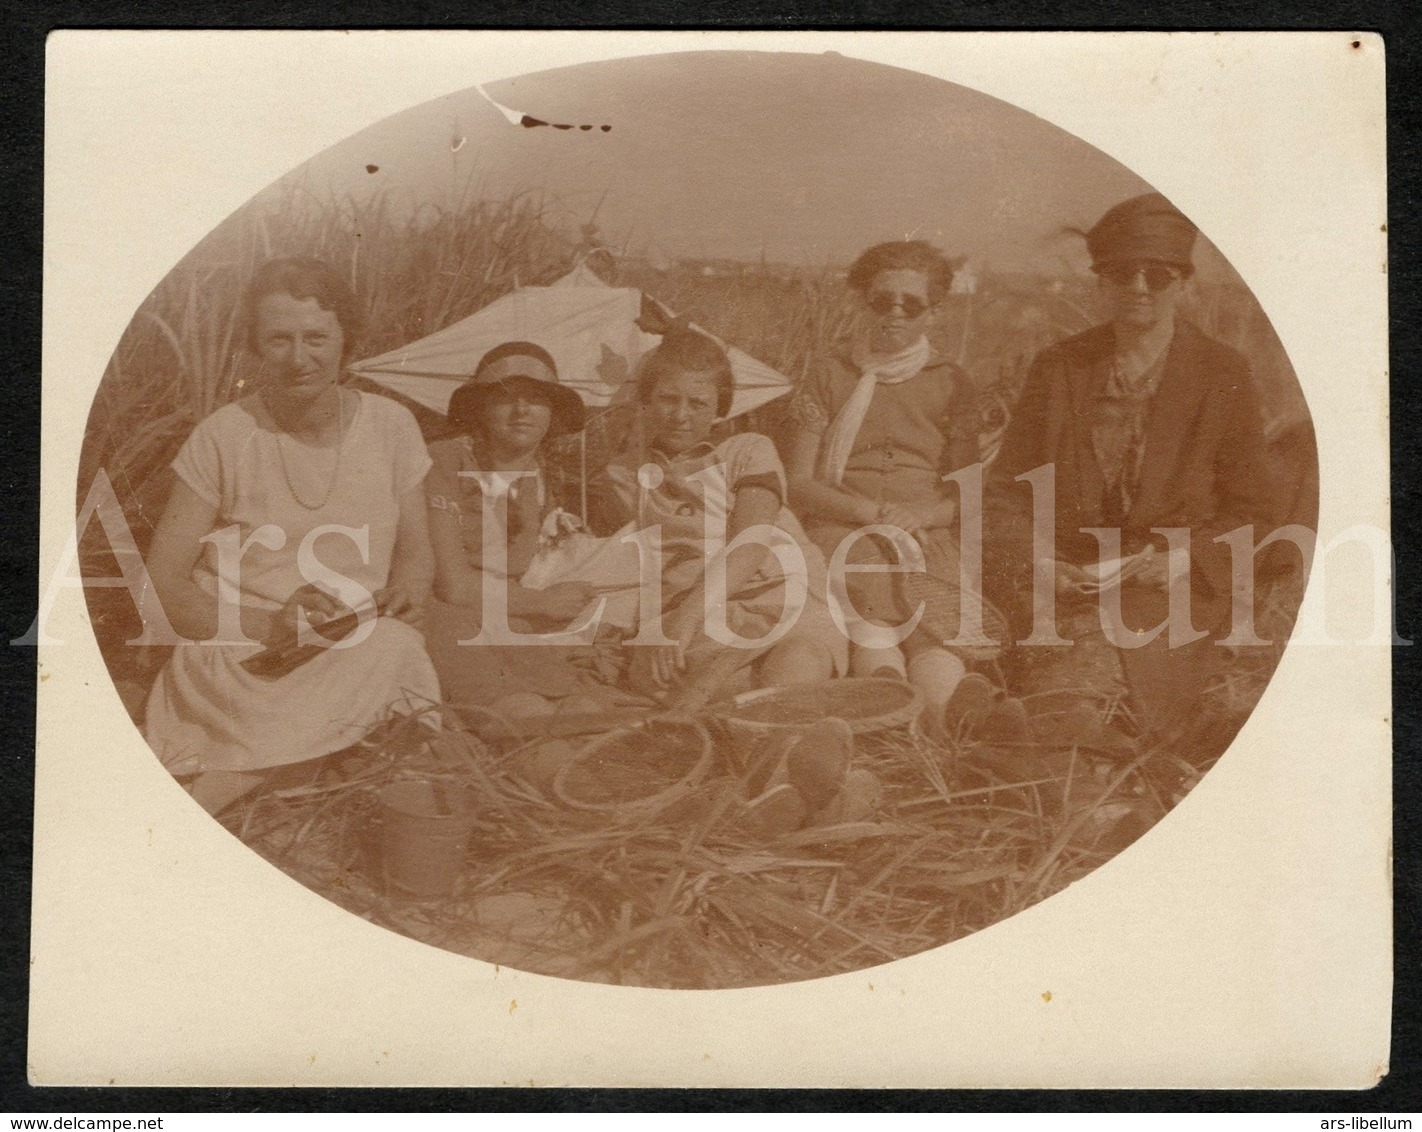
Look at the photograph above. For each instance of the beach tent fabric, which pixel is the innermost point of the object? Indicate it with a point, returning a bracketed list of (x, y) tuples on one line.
[(588, 327)]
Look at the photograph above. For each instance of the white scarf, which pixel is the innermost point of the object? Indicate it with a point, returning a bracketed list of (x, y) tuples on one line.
[(875, 369)]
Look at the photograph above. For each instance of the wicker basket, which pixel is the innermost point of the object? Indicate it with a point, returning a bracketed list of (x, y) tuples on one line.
[(636, 770), (942, 600), (866, 704)]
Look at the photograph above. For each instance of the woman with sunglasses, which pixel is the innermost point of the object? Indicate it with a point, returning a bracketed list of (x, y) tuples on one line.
[(879, 428), (1146, 423)]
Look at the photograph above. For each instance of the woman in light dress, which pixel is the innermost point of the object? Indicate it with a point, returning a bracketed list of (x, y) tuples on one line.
[(683, 483), (293, 506)]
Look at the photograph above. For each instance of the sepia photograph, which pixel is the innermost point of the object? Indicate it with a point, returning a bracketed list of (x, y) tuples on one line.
[(719, 517)]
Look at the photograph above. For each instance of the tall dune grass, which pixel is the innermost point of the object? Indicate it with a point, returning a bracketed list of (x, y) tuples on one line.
[(183, 355), (942, 867)]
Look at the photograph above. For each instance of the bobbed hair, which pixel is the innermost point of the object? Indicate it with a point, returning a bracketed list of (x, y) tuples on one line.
[(903, 255), (683, 350), (303, 277)]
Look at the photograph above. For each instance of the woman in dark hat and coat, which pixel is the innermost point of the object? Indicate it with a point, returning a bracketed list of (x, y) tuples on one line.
[(1146, 423)]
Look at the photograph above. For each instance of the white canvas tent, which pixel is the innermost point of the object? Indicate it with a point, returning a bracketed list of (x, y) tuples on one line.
[(589, 328)]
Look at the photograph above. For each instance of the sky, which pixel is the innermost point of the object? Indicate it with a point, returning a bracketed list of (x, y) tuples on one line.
[(803, 159)]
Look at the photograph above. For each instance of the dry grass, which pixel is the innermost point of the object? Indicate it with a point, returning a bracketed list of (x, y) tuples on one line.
[(692, 895), (965, 833), (183, 355)]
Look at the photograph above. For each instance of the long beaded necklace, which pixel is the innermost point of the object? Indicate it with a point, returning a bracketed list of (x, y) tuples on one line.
[(335, 472)]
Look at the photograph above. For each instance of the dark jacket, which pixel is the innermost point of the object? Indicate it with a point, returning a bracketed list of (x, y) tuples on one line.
[(1203, 469)]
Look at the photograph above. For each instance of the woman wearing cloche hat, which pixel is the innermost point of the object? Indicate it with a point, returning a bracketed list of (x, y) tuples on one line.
[(505, 413), (1146, 423)]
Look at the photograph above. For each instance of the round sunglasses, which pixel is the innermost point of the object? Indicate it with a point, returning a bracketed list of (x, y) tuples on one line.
[(1157, 275), (884, 302)]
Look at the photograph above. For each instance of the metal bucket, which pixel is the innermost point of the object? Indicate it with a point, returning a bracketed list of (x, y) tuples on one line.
[(422, 835)]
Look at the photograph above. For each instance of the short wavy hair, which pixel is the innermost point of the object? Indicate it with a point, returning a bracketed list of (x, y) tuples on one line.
[(683, 350), (904, 255), (303, 277)]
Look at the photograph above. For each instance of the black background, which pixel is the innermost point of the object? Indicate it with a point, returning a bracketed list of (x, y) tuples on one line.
[(24, 28)]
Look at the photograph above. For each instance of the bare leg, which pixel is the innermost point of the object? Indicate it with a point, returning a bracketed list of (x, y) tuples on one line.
[(873, 662), (935, 673), (795, 662)]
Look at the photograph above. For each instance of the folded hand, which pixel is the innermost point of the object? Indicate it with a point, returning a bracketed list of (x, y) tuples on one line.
[(396, 601), (654, 668), (318, 606)]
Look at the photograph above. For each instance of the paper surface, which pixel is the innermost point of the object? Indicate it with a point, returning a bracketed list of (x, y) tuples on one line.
[(1245, 941)]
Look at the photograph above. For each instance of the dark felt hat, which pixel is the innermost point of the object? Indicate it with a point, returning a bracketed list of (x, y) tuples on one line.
[(1144, 227), (510, 364)]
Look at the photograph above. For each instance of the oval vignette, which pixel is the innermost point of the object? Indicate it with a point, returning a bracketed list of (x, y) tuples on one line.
[(733, 189)]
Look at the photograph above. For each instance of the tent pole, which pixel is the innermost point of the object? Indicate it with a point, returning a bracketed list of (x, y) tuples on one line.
[(583, 478)]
